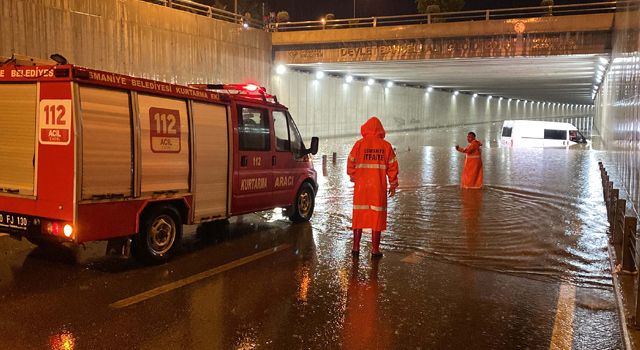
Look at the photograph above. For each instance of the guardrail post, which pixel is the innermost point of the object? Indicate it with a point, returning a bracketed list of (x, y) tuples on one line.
[(375, 22), (629, 244), (487, 15), (613, 201), (334, 157), (170, 3), (637, 313), (429, 18), (618, 225)]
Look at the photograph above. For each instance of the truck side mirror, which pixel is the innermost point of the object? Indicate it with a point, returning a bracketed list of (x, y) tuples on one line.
[(314, 146)]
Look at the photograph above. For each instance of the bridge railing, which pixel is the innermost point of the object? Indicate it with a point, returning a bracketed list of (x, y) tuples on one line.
[(208, 11), (461, 16)]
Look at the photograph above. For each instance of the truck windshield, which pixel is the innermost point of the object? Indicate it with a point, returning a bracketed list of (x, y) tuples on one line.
[(506, 131)]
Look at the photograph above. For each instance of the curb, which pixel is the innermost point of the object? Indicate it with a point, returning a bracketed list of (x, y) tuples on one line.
[(618, 292)]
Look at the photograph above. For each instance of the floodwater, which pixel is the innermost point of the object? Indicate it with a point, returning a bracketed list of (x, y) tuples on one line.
[(540, 214), (520, 264)]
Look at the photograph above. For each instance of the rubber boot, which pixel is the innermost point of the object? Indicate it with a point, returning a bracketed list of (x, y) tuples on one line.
[(375, 244), (357, 235)]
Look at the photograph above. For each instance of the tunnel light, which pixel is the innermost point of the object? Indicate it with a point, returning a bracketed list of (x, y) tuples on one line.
[(429, 89), (323, 20), (489, 97), (509, 100), (245, 25), (371, 81), (456, 93), (389, 84), (348, 79), (281, 69), (500, 99), (319, 74), (475, 95)]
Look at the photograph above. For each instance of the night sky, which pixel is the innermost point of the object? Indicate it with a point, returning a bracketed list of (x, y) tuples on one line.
[(302, 10)]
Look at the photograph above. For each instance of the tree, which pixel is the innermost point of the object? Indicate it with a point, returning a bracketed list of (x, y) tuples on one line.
[(282, 16), (253, 7), (444, 5)]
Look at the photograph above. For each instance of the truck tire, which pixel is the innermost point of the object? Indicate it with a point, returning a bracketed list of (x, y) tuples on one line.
[(302, 207), (159, 236)]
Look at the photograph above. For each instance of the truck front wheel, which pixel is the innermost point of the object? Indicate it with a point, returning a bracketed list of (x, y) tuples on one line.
[(302, 207), (159, 236)]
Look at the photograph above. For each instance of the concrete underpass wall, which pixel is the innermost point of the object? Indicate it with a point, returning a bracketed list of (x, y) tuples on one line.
[(137, 38), (618, 101), (330, 107)]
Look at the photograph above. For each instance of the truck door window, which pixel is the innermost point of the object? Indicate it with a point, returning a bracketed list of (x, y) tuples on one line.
[(506, 131), (281, 130), (253, 129), (296, 140)]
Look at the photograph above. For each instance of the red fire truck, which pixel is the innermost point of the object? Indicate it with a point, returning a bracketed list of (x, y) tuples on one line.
[(89, 155)]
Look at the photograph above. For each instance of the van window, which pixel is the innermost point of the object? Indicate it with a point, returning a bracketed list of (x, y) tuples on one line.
[(551, 134), (253, 129), (281, 130), (506, 131), (576, 136)]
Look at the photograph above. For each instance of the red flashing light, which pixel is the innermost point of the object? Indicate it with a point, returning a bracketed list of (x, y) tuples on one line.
[(252, 87), (55, 228), (249, 90)]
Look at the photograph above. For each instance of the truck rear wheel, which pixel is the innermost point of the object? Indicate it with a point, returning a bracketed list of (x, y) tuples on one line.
[(302, 207), (159, 236)]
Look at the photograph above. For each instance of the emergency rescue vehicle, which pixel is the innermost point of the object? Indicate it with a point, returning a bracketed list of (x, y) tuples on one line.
[(89, 155)]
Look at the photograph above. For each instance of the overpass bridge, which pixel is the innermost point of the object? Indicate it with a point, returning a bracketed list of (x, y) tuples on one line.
[(540, 53)]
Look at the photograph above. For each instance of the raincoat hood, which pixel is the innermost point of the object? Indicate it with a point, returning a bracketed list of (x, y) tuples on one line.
[(373, 127)]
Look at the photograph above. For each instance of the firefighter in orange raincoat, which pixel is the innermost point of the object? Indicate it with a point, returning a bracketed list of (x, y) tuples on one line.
[(370, 162), (472, 174)]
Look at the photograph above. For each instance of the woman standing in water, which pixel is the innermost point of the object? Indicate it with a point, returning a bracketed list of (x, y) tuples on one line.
[(472, 175)]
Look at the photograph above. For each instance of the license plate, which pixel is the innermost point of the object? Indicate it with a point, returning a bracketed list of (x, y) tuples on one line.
[(14, 221)]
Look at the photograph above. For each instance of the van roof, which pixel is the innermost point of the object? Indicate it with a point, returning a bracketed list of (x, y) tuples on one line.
[(539, 124)]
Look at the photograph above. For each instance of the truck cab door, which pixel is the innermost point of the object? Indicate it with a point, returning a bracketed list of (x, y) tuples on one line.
[(287, 161), (253, 174)]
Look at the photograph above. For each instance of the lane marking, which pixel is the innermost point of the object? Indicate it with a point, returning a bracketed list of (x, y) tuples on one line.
[(562, 336), (138, 298), (413, 258)]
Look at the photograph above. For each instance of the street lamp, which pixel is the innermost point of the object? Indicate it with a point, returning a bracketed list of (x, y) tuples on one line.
[(354, 8)]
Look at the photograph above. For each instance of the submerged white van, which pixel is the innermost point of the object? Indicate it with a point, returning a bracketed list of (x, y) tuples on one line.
[(534, 133)]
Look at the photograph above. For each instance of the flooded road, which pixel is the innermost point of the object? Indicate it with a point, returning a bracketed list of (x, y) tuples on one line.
[(540, 213), (520, 264)]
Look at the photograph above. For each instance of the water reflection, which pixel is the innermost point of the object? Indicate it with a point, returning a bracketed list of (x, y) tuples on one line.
[(62, 341), (540, 213), (471, 206), (363, 327)]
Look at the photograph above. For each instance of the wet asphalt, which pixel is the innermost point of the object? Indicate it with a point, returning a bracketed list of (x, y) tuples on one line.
[(521, 264)]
